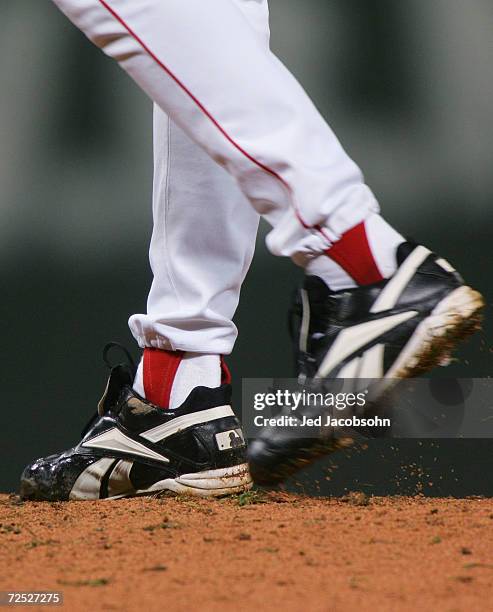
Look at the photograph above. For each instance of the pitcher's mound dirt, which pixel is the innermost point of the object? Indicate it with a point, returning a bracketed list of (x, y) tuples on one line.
[(253, 552)]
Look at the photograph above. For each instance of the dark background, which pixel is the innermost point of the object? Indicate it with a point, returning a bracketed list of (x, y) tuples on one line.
[(406, 86)]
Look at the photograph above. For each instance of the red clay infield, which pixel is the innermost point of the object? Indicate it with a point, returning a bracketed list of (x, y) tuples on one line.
[(253, 552)]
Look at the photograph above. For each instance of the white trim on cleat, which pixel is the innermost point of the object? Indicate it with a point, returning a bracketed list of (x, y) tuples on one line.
[(210, 483), (88, 483), (113, 439), (352, 339), (159, 433), (396, 285), (119, 481), (305, 322), (446, 321)]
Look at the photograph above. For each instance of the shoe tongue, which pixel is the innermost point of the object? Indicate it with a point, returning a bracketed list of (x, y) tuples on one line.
[(316, 288), (120, 376), (404, 250)]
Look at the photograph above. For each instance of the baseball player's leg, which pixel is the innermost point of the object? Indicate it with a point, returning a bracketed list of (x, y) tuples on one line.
[(195, 291), (203, 65), (202, 246), (133, 447)]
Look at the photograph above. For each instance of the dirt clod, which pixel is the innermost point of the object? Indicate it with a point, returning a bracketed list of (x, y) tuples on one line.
[(356, 498)]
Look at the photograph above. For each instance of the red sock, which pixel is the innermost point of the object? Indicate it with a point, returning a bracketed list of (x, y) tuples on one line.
[(226, 377), (352, 252), (159, 371)]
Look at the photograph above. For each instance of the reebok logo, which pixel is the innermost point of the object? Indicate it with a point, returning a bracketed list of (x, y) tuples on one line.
[(354, 338)]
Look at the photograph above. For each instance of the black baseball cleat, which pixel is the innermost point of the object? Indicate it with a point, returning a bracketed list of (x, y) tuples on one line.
[(132, 447), (398, 328)]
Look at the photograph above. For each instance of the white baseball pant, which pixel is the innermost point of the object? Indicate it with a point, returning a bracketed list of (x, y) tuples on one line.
[(223, 101)]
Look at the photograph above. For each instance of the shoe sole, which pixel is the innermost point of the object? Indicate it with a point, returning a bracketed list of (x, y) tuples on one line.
[(453, 320), (304, 458), (210, 483)]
